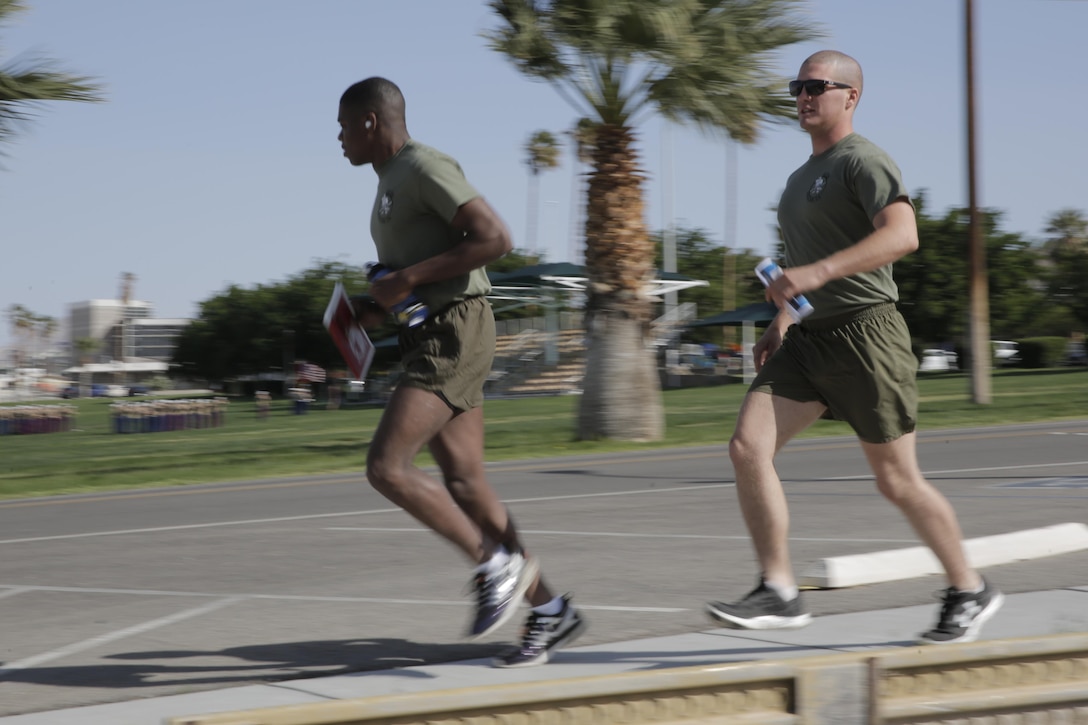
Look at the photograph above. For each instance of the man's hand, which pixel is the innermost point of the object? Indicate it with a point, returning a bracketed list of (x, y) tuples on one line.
[(391, 288), (770, 341), (368, 313), (794, 282)]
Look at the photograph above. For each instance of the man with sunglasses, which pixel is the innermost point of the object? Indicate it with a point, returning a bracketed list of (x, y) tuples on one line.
[(845, 217)]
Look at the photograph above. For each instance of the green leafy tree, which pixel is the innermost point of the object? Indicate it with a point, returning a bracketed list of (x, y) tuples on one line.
[(933, 280), (541, 154), (705, 62), (25, 83), (700, 257), (264, 329), (1066, 263)]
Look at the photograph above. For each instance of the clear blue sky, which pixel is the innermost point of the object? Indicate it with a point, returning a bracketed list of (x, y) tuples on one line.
[(215, 160)]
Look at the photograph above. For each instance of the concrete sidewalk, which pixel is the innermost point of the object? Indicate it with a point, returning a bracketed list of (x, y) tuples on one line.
[(1030, 614)]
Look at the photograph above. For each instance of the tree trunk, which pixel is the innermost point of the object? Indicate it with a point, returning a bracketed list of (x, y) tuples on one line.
[(622, 390)]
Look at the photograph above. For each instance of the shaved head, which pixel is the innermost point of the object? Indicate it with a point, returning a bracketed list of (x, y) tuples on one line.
[(378, 96), (844, 69)]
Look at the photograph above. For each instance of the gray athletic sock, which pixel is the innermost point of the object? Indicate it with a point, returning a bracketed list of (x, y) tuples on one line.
[(550, 609)]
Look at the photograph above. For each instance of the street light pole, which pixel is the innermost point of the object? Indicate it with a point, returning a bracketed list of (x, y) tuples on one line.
[(979, 315), (668, 251)]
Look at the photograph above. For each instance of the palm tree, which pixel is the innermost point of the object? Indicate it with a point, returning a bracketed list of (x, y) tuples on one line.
[(1065, 261), (1068, 230), (44, 329), (582, 143), (707, 62), (25, 83), (86, 347), (541, 154), (22, 322)]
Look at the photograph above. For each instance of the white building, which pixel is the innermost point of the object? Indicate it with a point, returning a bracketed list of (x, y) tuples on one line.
[(126, 331), (96, 318)]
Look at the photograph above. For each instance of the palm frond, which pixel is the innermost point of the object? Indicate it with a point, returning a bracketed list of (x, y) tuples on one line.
[(707, 62), (27, 82)]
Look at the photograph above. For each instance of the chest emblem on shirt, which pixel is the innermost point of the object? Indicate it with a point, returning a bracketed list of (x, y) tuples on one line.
[(385, 206), (817, 189)]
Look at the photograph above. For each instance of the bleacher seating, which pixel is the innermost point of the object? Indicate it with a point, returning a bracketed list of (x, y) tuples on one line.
[(520, 367)]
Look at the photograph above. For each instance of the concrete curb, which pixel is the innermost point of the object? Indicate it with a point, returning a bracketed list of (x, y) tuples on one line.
[(955, 683), (892, 565)]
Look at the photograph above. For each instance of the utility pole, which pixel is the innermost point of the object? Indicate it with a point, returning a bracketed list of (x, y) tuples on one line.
[(979, 315), (729, 262)]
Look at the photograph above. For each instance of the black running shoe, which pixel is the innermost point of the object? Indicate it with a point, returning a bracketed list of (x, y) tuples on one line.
[(499, 594), (963, 614), (543, 634), (762, 608)]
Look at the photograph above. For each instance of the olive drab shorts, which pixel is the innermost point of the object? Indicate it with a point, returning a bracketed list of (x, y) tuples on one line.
[(860, 365), (451, 352)]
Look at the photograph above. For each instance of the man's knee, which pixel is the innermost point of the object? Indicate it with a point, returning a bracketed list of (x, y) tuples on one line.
[(903, 489), (384, 473), (744, 451)]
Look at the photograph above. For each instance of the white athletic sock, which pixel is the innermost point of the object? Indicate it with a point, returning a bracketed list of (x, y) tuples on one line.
[(550, 609), (788, 594), (498, 560)]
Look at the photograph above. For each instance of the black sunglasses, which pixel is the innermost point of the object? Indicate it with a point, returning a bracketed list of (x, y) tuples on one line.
[(814, 87)]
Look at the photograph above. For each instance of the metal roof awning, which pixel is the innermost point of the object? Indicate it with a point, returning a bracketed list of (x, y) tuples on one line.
[(537, 279), (755, 312), (117, 366)]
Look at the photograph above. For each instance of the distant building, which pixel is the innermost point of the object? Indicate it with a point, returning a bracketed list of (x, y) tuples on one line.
[(126, 331), (95, 319), (149, 338)]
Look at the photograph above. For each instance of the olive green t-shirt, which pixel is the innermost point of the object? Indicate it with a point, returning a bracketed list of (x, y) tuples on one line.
[(829, 205), (419, 192)]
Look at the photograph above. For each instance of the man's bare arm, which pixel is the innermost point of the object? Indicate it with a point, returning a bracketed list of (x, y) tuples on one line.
[(486, 239), (894, 237)]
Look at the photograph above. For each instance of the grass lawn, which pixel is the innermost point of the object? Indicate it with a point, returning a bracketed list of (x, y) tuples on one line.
[(91, 457)]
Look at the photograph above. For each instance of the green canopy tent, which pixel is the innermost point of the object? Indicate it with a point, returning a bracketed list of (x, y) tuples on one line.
[(749, 314)]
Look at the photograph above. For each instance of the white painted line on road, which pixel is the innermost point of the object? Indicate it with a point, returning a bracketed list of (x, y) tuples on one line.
[(959, 470), (114, 636), (12, 592), (306, 598), (280, 519), (183, 527), (897, 564), (535, 499), (621, 535)]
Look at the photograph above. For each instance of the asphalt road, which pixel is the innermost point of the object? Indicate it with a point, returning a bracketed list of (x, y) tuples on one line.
[(143, 593)]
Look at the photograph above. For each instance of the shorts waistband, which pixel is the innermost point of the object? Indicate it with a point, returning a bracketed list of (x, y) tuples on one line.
[(846, 318)]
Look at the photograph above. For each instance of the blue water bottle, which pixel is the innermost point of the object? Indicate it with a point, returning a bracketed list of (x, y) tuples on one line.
[(798, 307), (410, 311)]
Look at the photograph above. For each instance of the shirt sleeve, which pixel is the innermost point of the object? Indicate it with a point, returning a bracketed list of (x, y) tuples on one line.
[(444, 188), (877, 183)]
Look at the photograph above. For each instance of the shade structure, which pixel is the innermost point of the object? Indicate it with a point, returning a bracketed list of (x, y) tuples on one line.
[(755, 312), (745, 317)]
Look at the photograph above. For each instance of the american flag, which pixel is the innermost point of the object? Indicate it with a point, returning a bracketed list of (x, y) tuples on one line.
[(309, 373)]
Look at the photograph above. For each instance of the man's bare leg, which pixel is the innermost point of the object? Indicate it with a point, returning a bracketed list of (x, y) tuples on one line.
[(900, 480), (458, 448), (411, 419), (765, 424)]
